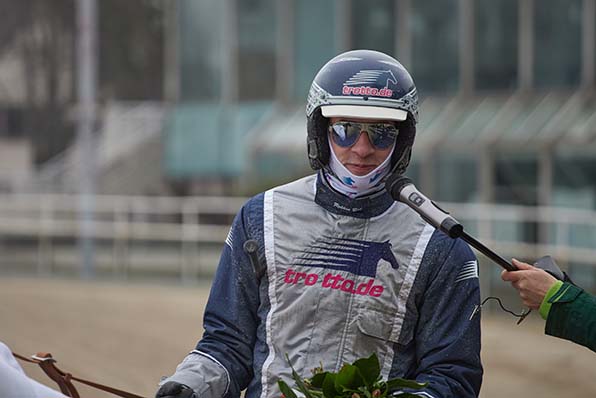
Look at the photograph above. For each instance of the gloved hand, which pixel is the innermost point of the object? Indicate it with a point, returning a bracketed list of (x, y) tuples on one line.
[(172, 389)]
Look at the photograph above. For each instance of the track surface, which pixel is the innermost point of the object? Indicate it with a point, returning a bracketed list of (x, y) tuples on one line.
[(129, 335)]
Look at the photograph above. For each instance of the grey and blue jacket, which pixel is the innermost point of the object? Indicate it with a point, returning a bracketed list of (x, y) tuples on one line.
[(337, 279)]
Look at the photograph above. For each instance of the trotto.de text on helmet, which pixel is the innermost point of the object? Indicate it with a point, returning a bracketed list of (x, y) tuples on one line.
[(384, 92)]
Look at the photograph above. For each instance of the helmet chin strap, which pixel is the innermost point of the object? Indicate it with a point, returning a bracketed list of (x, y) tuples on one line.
[(351, 185)]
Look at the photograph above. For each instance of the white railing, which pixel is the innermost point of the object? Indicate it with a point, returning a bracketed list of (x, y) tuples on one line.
[(531, 232), (147, 234), (183, 236)]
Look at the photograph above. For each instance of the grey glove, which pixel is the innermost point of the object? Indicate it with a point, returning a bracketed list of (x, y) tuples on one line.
[(198, 373), (172, 389)]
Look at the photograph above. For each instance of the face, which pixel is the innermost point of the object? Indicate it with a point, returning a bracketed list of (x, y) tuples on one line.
[(362, 157)]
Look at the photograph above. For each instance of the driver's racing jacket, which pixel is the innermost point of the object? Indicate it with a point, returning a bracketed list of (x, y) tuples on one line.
[(336, 279)]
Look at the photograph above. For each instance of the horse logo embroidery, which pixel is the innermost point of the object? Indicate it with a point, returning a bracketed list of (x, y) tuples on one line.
[(355, 256), (372, 77)]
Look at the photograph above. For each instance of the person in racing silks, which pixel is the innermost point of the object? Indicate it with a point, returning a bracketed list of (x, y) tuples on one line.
[(329, 268), (14, 383)]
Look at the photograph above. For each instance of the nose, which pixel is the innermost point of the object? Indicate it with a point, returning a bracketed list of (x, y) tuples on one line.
[(363, 147)]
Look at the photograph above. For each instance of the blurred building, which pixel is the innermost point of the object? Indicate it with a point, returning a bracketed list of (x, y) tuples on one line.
[(508, 112), (209, 96)]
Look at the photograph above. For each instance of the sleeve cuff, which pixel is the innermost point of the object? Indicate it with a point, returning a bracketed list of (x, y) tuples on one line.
[(546, 303)]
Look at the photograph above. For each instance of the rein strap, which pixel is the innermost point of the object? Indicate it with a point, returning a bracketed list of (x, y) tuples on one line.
[(47, 364)]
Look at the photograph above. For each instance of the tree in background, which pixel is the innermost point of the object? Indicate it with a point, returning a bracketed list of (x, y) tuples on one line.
[(131, 36), (40, 34)]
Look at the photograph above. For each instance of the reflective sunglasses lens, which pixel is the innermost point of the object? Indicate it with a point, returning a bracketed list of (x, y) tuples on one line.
[(345, 134), (382, 136)]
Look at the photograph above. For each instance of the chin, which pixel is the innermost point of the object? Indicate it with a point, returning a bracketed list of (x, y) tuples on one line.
[(360, 171)]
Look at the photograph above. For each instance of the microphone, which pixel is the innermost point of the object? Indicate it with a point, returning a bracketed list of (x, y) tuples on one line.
[(403, 190)]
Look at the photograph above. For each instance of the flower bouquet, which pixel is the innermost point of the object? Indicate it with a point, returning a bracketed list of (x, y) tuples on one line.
[(362, 379)]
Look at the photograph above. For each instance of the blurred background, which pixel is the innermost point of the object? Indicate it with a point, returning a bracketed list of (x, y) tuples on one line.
[(132, 131)]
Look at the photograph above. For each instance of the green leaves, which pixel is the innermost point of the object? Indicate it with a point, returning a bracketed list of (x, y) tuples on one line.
[(349, 378), (329, 390), (317, 379), (369, 369), (285, 389), (362, 379)]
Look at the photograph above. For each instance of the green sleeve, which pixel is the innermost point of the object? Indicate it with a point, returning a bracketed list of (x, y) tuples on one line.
[(572, 316), (546, 304)]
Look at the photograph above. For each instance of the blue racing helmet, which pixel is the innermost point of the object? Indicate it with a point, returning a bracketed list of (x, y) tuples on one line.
[(362, 84)]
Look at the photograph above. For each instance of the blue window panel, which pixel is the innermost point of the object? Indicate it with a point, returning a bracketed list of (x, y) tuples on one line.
[(557, 35), (496, 47), (373, 25), (314, 41), (200, 49), (435, 51), (257, 47), (204, 140)]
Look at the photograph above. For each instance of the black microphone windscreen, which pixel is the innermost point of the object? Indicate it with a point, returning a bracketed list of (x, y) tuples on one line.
[(395, 183)]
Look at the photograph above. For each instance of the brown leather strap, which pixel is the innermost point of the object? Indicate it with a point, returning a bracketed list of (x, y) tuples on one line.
[(47, 364)]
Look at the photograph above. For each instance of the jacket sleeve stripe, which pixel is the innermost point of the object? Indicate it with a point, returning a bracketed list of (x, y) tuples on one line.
[(230, 238), (270, 258), (468, 271)]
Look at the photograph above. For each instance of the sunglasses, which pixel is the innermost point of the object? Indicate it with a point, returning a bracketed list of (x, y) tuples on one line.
[(381, 135)]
